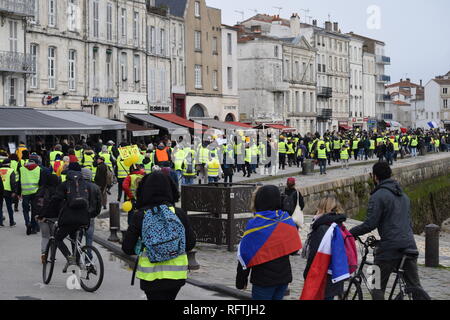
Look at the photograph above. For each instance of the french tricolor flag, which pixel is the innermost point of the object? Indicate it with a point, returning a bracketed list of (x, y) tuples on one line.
[(330, 259)]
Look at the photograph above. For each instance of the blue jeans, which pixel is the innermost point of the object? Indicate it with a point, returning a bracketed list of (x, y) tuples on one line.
[(213, 179), (188, 180), (9, 207), (414, 151), (323, 165), (179, 175), (269, 293)]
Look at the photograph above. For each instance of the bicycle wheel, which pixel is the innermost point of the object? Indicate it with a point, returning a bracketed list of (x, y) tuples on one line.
[(353, 291), (49, 265), (92, 270)]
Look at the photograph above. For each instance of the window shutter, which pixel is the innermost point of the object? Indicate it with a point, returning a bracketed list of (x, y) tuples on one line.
[(7, 86), (20, 93)]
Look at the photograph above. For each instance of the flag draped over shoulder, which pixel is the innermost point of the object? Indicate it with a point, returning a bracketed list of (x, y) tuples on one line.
[(329, 259), (268, 236)]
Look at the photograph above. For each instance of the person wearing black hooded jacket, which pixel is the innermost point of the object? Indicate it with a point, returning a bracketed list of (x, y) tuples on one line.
[(389, 211), (154, 190)]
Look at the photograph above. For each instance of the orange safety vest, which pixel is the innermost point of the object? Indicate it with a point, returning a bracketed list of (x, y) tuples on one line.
[(162, 155)]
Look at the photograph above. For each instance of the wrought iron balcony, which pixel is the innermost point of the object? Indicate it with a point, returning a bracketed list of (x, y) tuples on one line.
[(383, 78), (325, 92), (383, 97), (325, 114), (15, 62), (23, 8), (384, 60)]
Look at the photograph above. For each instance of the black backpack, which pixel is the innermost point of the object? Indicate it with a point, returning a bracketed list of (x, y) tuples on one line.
[(77, 193), (41, 201)]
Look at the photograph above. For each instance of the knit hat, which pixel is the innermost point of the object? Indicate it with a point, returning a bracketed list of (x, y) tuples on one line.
[(268, 198), (86, 173), (291, 181), (74, 166), (34, 158)]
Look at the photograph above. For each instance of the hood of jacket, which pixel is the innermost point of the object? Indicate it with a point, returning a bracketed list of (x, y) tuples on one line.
[(328, 219), (31, 166), (390, 185), (89, 152), (74, 175)]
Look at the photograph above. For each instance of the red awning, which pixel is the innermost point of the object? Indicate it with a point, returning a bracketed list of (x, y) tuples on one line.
[(345, 127), (280, 127), (179, 120), (240, 124)]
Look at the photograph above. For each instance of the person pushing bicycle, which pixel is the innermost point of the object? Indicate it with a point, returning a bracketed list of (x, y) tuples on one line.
[(389, 211)]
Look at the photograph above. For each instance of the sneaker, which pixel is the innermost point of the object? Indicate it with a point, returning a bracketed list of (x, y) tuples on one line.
[(28, 230), (71, 261), (1, 225), (91, 269), (12, 225)]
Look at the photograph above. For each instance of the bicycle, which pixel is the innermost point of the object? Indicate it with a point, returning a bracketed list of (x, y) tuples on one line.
[(88, 259), (354, 289)]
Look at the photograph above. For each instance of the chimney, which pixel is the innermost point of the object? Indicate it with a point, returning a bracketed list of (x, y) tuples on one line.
[(315, 23), (421, 83), (295, 25), (408, 79), (328, 25), (336, 27), (401, 80)]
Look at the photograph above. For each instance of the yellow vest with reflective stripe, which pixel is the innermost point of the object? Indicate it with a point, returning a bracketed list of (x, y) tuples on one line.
[(344, 154), (30, 180), (135, 180), (107, 157), (290, 148), (5, 174), (175, 269), (179, 157), (396, 146), (15, 165), (79, 155), (213, 168), (372, 144), (203, 155), (321, 153), (282, 147), (63, 177), (122, 169)]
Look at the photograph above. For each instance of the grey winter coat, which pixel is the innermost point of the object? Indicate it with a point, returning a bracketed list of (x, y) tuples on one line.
[(389, 211)]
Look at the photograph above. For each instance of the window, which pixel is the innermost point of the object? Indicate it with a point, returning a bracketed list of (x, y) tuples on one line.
[(34, 55), (52, 68), (152, 39), (72, 68), (214, 46), (198, 40), (52, 13), (198, 76), (109, 70), (136, 28), (163, 84), (214, 80), (71, 15), (13, 36), (136, 68), (109, 22), (230, 77), (444, 90), (123, 23), (95, 67), (445, 103), (152, 85), (12, 92), (230, 43), (35, 18), (163, 41), (275, 51), (175, 72), (197, 9), (95, 19), (123, 68)]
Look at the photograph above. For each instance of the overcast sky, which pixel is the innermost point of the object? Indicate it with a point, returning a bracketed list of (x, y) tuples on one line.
[(416, 32)]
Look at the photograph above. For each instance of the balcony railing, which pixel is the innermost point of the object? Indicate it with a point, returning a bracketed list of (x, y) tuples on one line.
[(383, 97), (325, 92), (383, 60), (24, 8), (15, 62), (383, 78), (325, 114)]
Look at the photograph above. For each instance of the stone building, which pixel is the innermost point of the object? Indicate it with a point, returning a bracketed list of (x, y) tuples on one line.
[(437, 98)]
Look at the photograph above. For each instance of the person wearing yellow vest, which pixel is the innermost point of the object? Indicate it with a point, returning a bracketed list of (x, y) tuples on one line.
[(282, 151), (414, 142), (178, 158), (396, 149), (188, 167), (344, 155), (159, 280), (122, 172), (57, 165), (336, 149), (130, 186), (88, 160), (247, 168), (214, 170), (79, 153), (8, 178), (105, 154), (301, 153), (22, 147), (372, 147), (355, 148), (101, 178), (437, 144), (202, 158), (57, 151), (31, 178), (290, 153), (321, 152)]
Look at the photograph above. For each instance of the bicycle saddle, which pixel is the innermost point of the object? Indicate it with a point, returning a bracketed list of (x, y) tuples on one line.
[(413, 253)]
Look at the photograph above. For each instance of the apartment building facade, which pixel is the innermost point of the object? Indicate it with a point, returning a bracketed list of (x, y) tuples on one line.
[(437, 98), (15, 60)]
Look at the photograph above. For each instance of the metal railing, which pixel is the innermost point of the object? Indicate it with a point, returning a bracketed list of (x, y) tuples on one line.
[(383, 60), (326, 92), (383, 78), (383, 97), (325, 113), (18, 7), (15, 62)]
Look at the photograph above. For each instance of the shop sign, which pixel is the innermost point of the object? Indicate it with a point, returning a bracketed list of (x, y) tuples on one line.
[(48, 100)]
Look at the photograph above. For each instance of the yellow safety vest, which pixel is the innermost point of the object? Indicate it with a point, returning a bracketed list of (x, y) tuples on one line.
[(321, 153), (107, 157), (179, 157), (213, 168), (5, 174), (122, 169), (290, 148), (53, 155), (79, 155), (282, 147), (203, 155), (396, 146), (372, 144), (135, 180), (15, 165), (29, 180), (344, 154)]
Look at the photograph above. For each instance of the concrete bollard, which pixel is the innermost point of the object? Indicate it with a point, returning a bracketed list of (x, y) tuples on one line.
[(192, 263), (432, 246), (114, 221)]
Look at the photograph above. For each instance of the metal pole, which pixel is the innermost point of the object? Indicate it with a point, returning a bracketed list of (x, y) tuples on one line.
[(432, 246), (114, 221)]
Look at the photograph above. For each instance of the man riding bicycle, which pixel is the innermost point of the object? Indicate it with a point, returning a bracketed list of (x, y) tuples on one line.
[(389, 211), (76, 202)]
